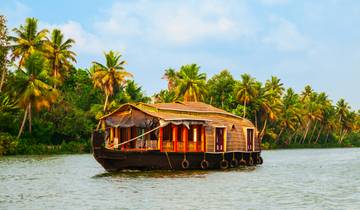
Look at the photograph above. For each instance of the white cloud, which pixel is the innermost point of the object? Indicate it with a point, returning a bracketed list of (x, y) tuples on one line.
[(85, 42), (286, 37), (177, 23)]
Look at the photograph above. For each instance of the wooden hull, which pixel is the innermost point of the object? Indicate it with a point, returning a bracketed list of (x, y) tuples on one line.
[(115, 160)]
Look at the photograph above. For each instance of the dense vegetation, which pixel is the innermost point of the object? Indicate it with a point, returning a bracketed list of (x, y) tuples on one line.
[(47, 105)]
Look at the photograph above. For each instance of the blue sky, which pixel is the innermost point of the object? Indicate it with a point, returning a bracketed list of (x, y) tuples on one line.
[(301, 42)]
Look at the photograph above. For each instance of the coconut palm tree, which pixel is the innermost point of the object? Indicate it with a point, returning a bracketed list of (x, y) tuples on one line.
[(57, 50), (111, 75), (246, 91), (275, 86), (27, 40), (312, 113), (3, 50), (32, 87), (171, 76), (290, 116), (165, 96), (343, 114), (191, 83)]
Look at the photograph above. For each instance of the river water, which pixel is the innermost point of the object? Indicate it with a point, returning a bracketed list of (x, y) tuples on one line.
[(288, 179)]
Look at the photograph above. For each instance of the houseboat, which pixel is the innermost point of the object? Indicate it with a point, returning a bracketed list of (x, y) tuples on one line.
[(174, 136)]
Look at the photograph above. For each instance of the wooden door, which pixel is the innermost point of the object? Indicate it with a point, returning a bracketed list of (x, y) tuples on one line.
[(219, 140), (250, 139)]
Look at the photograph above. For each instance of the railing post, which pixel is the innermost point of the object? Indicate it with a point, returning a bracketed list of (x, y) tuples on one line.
[(175, 137), (160, 146), (203, 141), (185, 138)]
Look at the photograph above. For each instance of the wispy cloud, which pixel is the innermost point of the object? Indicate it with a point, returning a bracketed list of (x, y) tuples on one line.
[(285, 36)]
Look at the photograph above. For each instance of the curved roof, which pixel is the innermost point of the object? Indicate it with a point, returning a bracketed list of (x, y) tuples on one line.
[(179, 111)]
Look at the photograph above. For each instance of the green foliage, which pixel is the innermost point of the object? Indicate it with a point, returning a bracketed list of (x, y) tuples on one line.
[(8, 144)]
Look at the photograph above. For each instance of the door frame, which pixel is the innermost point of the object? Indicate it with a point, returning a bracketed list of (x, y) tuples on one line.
[(224, 136), (253, 139)]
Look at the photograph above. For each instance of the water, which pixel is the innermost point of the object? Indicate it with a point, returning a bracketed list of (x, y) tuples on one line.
[(288, 179)]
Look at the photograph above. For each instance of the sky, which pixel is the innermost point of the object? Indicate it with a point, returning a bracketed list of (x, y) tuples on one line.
[(301, 42)]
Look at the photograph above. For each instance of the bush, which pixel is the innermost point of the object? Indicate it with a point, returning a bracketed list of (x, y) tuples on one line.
[(8, 144)]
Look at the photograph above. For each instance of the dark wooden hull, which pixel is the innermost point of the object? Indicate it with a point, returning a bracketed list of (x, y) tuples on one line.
[(115, 160)]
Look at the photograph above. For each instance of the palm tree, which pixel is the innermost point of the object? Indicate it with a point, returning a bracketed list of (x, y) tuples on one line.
[(3, 50), (343, 114), (32, 87), (191, 83), (171, 76), (165, 96), (312, 112), (290, 116), (111, 75), (268, 106), (275, 86), (27, 40), (246, 90), (135, 92), (58, 52)]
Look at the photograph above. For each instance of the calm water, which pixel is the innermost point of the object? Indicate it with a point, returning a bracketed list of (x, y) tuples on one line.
[(288, 179)]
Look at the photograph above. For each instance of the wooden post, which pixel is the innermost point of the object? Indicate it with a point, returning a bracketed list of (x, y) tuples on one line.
[(203, 142), (111, 142), (116, 138), (121, 134), (195, 134), (128, 132), (185, 138), (175, 137), (160, 146)]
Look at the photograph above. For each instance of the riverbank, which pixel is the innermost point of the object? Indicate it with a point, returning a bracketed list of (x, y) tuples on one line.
[(307, 146), (10, 145)]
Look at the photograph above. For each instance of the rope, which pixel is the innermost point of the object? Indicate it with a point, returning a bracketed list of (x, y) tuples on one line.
[(167, 156), (138, 136)]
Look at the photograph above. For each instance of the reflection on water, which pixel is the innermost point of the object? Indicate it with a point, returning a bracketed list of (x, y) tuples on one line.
[(288, 179), (169, 173)]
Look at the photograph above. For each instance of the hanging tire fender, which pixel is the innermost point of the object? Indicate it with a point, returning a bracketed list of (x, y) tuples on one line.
[(204, 164), (224, 164), (250, 161), (234, 163), (185, 164)]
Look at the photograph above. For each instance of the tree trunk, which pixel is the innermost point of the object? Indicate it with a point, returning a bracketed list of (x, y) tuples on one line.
[(256, 121), (291, 137), (3, 75), (306, 131), (30, 119), (327, 136), (23, 122), (262, 133), (317, 138), (343, 135), (244, 108), (278, 137), (313, 131), (106, 102)]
